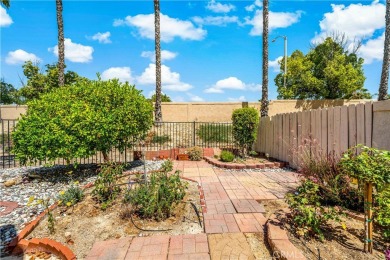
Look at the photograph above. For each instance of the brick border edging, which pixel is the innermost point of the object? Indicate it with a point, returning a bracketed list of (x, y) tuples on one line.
[(278, 240), (19, 242), (201, 194), (240, 166)]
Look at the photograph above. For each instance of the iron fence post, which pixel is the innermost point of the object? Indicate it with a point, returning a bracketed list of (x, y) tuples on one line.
[(193, 134)]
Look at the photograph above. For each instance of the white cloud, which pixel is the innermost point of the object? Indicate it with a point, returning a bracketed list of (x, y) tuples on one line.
[(170, 80), (251, 8), (195, 98), (217, 7), (356, 20), (276, 20), (20, 56), (102, 37), (215, 20), (274, 64), (121, 73), (75, 52), (239, 99), (165, 55), (5, 19), (232, 83), (372, 50), (170, 27)]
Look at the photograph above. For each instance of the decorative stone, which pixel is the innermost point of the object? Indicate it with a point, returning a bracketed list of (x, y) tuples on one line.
[(10, 183)]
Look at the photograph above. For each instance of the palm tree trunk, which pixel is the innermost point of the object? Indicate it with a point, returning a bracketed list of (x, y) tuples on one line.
[(61, 46), (157, 109), (264, 97), (384, 86)]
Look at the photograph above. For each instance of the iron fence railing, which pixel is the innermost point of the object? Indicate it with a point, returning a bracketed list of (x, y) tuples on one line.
[(165, 135)]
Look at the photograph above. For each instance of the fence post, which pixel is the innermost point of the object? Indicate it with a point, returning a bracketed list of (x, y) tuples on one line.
[(193, 134)]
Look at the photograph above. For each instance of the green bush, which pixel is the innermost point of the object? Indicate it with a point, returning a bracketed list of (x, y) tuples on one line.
[(71, 196), (160, 139), (157, 198), (106, 188), (382, 211), (245, 123), (308, 216), (195, 153), (79, 121), (226, 156), (215, 133)]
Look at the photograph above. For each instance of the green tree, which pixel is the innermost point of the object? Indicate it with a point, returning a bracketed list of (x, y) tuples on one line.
[(5, 3), (328, 71), (164, 98), (384, 85), (39, 83), (264, 95), (245, 122), (157, 109), (7, 93), (79, 121), (61, 44)]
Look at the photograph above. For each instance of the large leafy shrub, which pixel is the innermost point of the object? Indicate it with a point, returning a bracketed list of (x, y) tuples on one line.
[(157, 198), (245, 123), (78, 121)]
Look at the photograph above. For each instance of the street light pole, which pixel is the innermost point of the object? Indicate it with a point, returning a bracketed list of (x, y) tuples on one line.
[(285, 57)]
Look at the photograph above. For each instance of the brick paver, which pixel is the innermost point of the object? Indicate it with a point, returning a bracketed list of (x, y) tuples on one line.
[(244, 206), (154, 247), (220, 207), (229, 246), (250, 222), (188, 247), (220, 223), (112, 249)]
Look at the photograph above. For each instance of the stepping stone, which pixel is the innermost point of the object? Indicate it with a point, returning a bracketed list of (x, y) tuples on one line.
[(154, 247), (115, 249), (229, 246), (220, 223), (188, 247), (248, 206), (250, 222)]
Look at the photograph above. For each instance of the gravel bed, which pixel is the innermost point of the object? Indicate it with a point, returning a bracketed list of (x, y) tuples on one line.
[(44, 183)]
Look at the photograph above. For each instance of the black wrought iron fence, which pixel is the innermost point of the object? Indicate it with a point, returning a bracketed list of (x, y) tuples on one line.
[(163, 136)]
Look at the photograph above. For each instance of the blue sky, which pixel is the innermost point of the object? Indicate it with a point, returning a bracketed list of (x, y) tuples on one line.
[(211, 49)]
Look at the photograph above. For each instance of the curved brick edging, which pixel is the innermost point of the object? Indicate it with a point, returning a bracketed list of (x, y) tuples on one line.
[(240, 166), (46, 245), (280, 245), (9, 207), (201, 194)]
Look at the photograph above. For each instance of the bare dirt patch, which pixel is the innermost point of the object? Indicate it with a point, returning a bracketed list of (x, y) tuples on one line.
[(82, 225), (259, 246)]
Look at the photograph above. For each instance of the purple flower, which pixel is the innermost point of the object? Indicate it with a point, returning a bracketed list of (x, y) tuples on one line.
[(387, 254)]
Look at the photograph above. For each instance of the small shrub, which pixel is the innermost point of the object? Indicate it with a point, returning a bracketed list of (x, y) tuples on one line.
[(215, 133), (46, 203), (157, 198), (195, 153), (106, 188), (253, 153), (245, 122), (71, 196), (308, 216), (382, 211), (227, 156), (161, 139)]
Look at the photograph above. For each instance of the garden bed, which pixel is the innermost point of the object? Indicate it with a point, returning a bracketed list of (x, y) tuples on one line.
[(80, 226)]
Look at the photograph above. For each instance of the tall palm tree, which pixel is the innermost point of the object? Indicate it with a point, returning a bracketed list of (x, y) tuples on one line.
[(61, 45), (384, 86), (5, 3), (264, 97), (157, 108)]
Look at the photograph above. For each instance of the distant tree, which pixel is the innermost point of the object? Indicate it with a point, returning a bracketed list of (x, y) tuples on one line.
[(157, 109), (5, 3), (384, 85), (61, 44), (7, 93), (328, 71), (39, 83), (164, 98), (264, 95)]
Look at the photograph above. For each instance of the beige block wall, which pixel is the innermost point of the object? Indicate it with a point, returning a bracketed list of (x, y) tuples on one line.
[(212, 111), (381, 125)]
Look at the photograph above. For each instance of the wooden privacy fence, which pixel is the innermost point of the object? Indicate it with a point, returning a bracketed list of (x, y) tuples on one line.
[(327, 130)]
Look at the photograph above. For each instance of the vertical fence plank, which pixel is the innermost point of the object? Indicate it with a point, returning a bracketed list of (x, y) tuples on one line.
[(336, 131), (299, 137), (344, 136), (360, 124), (352, 125), (318, 138), (286, 136), (324, 131), (368, 123), (294, 138), (330, 130), (280, 138)]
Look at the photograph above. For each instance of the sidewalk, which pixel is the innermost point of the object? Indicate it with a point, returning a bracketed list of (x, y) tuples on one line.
[(233, 207)]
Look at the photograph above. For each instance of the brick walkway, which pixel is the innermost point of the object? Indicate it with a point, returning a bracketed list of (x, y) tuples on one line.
[(233, 207)]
